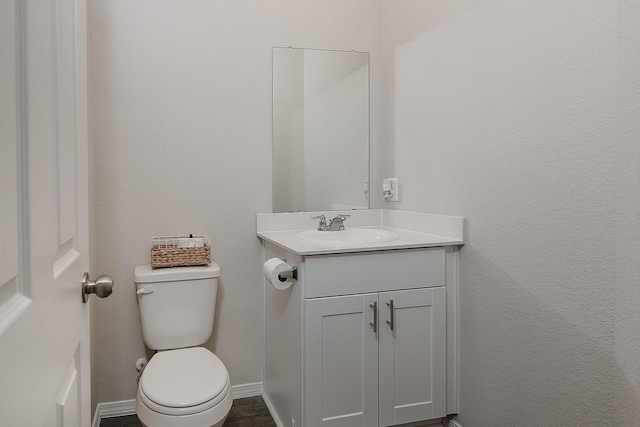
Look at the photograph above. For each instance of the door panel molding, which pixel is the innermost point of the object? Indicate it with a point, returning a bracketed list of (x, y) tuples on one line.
[(65, 113), (13, 229), (68, 396)]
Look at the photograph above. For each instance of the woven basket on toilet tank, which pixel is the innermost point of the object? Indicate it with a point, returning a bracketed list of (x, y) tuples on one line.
[(180, 251)]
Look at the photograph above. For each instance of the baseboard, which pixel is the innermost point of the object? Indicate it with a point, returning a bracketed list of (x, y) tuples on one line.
[(246, 390), (453, 423), (272, 410), (120, 408), (128, 407)]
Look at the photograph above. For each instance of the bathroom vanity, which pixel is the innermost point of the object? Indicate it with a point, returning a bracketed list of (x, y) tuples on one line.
[(367, 335)]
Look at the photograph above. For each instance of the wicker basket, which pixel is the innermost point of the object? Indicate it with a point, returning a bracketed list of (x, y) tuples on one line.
[(180, 251)]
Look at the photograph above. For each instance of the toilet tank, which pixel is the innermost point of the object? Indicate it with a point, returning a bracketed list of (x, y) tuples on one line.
[(176, 304)]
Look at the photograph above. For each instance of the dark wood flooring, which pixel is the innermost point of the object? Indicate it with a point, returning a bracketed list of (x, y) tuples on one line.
[(247, 412)]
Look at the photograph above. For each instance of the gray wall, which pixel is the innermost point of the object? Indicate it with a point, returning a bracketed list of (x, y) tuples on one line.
[(506, 113), (180, 134)]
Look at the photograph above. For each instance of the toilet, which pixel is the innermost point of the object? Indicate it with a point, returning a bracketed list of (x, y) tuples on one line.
[(183, 384)]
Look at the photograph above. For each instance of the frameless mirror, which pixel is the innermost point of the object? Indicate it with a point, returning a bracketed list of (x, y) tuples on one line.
[(320, 130)]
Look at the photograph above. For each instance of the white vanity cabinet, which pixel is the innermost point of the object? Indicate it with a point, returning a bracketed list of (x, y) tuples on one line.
[(325, 365), (341, 362), (375, 359)]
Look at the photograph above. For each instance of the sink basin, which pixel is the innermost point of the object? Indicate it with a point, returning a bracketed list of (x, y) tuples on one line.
[(350, 236)]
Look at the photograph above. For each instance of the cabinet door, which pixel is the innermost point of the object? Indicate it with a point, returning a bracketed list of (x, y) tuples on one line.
[(341, 362), (413, 365)]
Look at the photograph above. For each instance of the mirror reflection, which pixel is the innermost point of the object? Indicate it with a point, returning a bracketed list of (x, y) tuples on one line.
[(320, 130)]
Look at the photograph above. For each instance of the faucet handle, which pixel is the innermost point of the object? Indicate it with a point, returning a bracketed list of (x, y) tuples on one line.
[(337, 222), (341, 217), (322, 225)]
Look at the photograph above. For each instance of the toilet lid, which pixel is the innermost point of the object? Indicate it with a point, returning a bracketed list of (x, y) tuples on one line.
[(184, 377)]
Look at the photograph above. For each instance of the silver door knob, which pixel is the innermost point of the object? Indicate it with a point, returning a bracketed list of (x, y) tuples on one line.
[(102, 286)]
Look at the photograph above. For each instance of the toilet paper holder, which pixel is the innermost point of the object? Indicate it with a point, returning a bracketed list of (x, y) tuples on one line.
[(289, 274)]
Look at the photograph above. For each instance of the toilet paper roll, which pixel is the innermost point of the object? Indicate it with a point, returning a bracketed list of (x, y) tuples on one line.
[(272, 268)]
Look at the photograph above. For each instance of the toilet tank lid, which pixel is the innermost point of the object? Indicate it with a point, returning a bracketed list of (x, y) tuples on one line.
[(146, 274)]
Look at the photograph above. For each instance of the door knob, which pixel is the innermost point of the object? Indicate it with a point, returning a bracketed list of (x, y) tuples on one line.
[(102, 286)]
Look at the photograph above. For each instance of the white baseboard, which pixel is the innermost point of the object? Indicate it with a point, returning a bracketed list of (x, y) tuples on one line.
[(128, 407), (120, 408), (246, 390), (272, 410)]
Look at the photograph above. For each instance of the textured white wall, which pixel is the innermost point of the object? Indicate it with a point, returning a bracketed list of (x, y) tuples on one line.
[(180, 131), (504, 112)]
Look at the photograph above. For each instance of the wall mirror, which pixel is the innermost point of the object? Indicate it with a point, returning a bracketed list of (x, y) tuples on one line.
[(320, 130)]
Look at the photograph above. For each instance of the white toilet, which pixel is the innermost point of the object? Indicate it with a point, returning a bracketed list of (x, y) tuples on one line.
[(183, 384)]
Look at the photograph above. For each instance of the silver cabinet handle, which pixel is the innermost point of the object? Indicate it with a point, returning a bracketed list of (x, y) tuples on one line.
[(390, 321), (102, 286), (374, 324)]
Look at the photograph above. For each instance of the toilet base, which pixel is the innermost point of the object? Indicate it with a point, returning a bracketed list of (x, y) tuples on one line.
[(212, 417)]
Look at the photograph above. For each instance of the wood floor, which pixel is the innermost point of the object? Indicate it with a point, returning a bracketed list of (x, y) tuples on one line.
[(247, 412)]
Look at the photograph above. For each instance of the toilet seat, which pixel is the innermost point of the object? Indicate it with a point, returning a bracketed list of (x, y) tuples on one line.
[(184, 381)]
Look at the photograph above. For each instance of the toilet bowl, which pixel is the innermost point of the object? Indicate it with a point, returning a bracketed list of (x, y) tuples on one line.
[(183, 385)]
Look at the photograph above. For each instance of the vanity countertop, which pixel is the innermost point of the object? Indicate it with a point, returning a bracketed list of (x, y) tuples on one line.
[(406, 240), (414, 230)]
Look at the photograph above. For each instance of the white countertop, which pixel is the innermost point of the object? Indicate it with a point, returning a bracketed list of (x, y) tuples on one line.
[(414, 230), (406, 240)]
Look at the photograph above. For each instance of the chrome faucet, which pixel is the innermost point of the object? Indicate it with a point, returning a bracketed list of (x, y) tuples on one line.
[(322, 225), (337, 223)]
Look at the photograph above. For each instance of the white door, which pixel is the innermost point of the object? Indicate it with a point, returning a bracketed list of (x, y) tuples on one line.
[(44, 325), (341, 362), (413, 351)]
